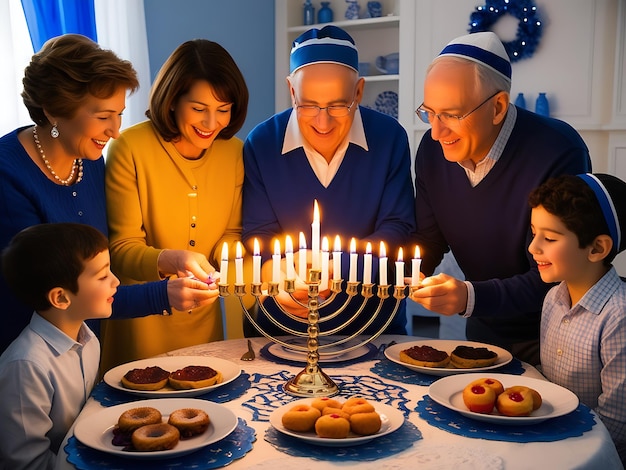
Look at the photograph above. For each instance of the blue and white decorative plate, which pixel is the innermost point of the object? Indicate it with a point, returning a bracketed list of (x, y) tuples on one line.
[(387, 103)]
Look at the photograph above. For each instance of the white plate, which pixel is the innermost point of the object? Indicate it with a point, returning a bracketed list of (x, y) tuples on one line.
[(391, 418), (393, 354), (229, 370), (556, 400), (330, 354), (96, 431)]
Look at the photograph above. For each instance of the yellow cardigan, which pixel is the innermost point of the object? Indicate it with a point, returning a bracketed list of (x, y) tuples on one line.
[(156, 199)]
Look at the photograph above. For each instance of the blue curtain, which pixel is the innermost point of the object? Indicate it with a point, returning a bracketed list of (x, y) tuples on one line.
[(49, 18)]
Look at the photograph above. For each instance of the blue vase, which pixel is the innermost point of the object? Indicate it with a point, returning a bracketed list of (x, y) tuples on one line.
[(309, 13), (352, 12), (520, 101), (325, 15), (542, 106)]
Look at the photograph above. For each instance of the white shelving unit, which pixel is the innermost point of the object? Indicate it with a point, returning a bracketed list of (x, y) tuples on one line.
[(373, 36)]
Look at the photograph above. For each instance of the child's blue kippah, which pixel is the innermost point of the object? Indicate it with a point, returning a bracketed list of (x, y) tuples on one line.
[(327, 45), (484, 48)]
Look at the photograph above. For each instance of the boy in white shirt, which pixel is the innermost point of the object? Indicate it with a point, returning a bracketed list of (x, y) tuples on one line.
[(47, 373)]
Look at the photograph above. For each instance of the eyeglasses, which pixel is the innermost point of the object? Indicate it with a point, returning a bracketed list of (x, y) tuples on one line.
[(448, 120), (333, 111)]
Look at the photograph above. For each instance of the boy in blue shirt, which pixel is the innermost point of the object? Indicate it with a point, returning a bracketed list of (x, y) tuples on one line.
[(578, 228), (48, 371)]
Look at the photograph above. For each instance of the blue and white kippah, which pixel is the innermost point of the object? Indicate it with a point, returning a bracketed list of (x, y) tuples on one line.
[(484, 48), (610, 192), (327, 45)]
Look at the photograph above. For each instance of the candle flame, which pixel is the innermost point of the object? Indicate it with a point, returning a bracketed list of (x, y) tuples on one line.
[(353, 245), (257, 249), (337, 247), (325, 244), (417, 252), (368, 248), (316, 212), (383, 252), (288, 244), (302, 241), (277, 247), (225, 251), (400, 254), (238, 251)]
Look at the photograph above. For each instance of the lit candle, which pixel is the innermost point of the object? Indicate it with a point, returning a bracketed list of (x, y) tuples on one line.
[(399, 270), (302, 255), (367, 264), (276, 262), (337, 259), (416, 264), (325, 259), (238, 265), (291, 270), (256, 263), (382, 265), (224, 264), (353, 261), (315, 238)]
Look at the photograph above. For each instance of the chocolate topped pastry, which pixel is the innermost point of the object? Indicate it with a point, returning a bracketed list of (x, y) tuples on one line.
[(425, 356), (148, 378), (468, 357)]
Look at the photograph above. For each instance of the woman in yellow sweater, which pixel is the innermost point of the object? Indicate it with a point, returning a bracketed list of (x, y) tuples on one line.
[(173, 186)]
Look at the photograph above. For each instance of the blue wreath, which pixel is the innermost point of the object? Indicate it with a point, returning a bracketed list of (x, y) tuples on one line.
[(529, 27)]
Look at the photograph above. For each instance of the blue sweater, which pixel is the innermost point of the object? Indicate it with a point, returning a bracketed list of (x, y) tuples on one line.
[(28, 197), (370, 198), (488, 227)]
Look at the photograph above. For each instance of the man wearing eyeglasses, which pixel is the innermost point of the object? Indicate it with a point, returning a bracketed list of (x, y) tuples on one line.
[(475, 168), (354, 161)]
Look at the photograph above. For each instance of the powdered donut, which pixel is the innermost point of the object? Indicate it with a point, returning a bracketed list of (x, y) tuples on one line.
[(301, 418), (189, 421), (332, 426), (357, 405), (161, 436), (137, 417), (365, 424)]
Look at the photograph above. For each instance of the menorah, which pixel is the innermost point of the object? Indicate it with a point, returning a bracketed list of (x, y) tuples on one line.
[(312, 381)]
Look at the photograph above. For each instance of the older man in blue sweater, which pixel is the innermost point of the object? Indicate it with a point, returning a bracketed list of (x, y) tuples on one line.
[(354, 161), (474, 171)]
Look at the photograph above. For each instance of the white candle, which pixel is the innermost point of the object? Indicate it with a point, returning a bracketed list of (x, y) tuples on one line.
[(315, 238), (276, 262), (302, 255), (256, 263), (382, 265), (399, 270), (238, 265), (353, 261), (325, 259), (416, 264), (291, 270), (224, 264), (337, 259), (367, 264)]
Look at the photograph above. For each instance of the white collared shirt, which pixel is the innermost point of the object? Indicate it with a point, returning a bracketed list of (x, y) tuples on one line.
[(324, 170)]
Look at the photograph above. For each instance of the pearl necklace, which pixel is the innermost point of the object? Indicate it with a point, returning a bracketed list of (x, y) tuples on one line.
[(78, 163)]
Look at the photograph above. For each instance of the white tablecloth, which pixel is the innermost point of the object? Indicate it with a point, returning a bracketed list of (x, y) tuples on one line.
[(437, 449)]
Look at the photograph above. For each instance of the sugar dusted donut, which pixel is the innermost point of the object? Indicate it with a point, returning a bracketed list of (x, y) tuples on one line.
[(515, 401), (333, 426), (137, 417), (365, 424), (322, 402), (152, 437), (301, 418), (189, 421), (479, 398), (357, 405)]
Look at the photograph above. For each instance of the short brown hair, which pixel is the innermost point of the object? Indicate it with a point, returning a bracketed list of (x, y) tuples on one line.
[(67, 70), (199, 59)]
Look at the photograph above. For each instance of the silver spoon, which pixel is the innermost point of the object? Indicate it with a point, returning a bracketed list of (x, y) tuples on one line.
[(249, 354)]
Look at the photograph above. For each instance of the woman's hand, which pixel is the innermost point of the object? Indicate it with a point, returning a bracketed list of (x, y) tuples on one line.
[(185, 263), (186, 293)]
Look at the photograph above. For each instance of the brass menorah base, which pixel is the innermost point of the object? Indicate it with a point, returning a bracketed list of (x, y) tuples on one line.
[(312, 381)]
